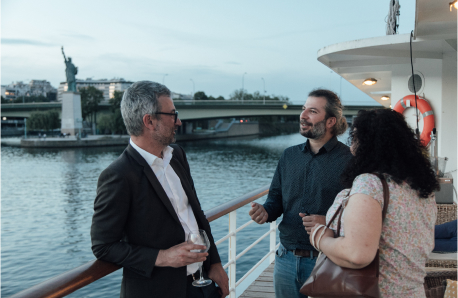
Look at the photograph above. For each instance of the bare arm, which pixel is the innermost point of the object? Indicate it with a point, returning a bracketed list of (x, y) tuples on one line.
[(363, 227)]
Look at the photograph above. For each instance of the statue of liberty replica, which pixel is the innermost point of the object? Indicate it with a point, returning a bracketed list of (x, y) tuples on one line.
[(70, 71), (71, 101)]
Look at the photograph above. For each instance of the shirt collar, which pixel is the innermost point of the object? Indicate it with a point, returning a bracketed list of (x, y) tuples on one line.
[(151, 158), (326, 148)]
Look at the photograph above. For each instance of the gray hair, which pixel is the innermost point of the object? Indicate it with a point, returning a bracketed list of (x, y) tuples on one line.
[(139, 100), (334, 108)]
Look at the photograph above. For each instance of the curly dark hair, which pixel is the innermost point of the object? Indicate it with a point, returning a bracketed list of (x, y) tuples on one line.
[(386, 144)]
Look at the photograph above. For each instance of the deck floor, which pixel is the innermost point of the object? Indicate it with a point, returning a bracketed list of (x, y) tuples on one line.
[(263, 286)]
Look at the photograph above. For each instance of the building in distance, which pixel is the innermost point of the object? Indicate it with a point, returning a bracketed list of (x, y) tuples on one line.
[(108, 87), (33, 88)]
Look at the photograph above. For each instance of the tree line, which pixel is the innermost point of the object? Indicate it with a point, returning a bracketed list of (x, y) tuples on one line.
[(49, 120), (113, 123), (240, 94)]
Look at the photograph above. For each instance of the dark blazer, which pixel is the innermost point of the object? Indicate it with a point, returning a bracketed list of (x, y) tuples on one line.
[(134, 218)]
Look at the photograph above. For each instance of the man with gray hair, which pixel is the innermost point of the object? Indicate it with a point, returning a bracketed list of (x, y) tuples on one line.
[(146, 205), (305, 183)]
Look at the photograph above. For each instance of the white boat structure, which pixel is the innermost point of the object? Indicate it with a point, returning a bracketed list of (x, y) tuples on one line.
[(387, 60)]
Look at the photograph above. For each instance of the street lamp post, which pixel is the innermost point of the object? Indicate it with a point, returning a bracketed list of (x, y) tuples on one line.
[(243, 83), (163, 78), (193, 88), (25, 128), (80, 124), (264, 84)]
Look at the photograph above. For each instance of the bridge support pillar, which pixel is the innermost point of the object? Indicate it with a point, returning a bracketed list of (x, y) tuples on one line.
[(188, 127)]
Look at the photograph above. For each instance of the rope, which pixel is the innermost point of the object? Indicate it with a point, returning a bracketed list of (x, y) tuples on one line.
[(417, 131)]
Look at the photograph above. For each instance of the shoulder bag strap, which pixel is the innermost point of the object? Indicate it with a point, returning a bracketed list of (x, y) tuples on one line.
[(386, 195), (334, 216)]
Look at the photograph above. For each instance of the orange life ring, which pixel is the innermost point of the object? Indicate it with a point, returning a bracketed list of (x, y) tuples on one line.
[(425, 110)]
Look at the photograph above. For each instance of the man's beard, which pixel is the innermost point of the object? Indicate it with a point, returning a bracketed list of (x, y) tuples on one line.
[(163, 135), (316, 132)]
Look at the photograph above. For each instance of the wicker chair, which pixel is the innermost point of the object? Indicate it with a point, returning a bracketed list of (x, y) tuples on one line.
[(436, 292), (445, 213), (434, 280)]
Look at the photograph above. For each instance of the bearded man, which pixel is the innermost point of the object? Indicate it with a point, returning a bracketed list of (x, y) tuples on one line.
[(306, 181)]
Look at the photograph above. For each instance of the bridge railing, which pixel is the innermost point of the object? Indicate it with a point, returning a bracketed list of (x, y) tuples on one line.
[(176, 101), (77, 278), (52, 104), (230, 102)]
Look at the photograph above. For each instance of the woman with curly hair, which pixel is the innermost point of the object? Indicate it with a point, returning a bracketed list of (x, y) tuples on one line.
[(382, 142)]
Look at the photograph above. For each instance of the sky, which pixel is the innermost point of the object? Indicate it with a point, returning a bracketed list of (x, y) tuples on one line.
[(210, 43)]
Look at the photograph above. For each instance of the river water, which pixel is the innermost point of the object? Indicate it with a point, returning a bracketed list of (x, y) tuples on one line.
[(48, 194)]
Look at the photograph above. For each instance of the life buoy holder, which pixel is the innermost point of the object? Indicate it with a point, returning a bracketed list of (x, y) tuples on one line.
[(425, 110)]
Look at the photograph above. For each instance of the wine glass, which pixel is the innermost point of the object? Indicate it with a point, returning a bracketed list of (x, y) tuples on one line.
[(200, 237)]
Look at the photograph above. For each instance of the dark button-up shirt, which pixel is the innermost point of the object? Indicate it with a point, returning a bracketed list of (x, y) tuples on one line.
[(305, 182)]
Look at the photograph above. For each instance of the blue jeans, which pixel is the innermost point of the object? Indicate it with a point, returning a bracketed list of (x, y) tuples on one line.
[(290, 273)]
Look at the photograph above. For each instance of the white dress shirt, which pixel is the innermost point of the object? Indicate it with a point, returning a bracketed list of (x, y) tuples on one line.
[(174, 190)]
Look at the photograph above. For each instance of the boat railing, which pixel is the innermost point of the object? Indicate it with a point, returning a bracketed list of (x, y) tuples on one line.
[(77, 278), (231, 208)]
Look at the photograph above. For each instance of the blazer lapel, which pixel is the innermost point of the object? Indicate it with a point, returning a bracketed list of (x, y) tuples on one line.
[(154, 182), (182, 174)]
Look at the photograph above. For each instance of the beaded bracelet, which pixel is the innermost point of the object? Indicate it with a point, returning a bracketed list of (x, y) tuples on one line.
[(319, 238), (314, 233)]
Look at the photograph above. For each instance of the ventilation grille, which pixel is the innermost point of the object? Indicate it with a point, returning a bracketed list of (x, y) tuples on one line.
[(418, 83)]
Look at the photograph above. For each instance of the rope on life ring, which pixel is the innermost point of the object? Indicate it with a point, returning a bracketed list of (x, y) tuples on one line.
[(425, 110)]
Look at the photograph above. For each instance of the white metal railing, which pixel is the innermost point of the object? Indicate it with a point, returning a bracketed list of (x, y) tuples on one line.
[(232, 254), (76, 278)]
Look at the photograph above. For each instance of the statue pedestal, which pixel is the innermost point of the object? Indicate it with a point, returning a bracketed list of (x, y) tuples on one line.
[(72, 121)]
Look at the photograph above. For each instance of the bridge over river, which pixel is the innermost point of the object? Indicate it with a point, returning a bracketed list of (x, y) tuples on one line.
[(202, 119), (194, 109)]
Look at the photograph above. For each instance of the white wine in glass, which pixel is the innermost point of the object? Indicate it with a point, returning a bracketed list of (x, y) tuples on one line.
[(200, 237)]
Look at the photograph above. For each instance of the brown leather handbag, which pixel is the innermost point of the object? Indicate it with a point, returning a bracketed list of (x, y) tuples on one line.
[(330, 280)]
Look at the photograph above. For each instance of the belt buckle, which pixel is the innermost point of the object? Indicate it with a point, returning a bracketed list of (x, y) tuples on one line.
[(297, 255), (302, 256)]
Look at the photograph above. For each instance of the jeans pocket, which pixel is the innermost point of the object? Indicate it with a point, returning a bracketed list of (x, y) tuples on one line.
[(281, 251)]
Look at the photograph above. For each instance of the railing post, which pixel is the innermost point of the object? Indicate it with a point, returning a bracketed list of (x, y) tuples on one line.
[(273, 239), (232, 253)]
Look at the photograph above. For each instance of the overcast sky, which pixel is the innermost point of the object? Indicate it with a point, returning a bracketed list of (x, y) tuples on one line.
[(211, 42)]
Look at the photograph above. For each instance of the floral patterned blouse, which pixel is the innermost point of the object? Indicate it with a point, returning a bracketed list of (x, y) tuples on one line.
[(407, 234)]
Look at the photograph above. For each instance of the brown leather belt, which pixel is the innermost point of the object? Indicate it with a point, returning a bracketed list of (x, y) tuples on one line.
[(305, 253)]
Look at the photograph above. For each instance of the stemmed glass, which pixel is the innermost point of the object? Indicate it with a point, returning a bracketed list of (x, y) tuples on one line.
[(200, 237)]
